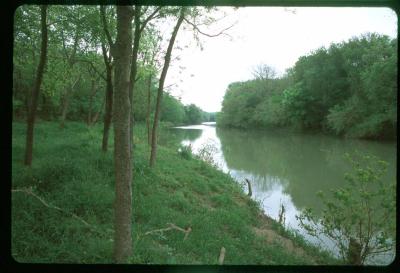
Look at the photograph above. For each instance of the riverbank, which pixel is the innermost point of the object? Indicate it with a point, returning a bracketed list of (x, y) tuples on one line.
[(184, 210), (309, 131)]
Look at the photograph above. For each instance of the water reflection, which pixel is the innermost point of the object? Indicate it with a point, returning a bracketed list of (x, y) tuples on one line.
[(285, 167), (304, 164)]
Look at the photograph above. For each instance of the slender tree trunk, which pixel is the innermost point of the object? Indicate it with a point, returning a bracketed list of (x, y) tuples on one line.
[(92, 94), (167, 60), (65, 105), (135, 50), (109, 99), (148, 109), (107, 114), (35, 92), (122, 154), (71, 62), (97, 114)]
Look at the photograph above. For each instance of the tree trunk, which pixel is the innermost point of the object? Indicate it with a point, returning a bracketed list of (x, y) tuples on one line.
[(65, 108), (35, 92), (122, 154), (108, 113), (71, 62), (135, 50), (109, 99), (354, 252), (148, 109), (167, 60), (92, 94), (97, 114), (65, 105)]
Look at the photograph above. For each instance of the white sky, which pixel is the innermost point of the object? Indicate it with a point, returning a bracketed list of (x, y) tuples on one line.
[(272, 35)]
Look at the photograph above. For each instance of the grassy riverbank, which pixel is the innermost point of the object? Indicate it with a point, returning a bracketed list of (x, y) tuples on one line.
[(62, 207)]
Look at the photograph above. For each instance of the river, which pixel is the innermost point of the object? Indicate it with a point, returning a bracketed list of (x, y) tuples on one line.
[(286, 168)]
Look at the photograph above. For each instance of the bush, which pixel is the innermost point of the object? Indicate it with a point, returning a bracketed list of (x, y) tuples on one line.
[(186, 151), (359, 218)]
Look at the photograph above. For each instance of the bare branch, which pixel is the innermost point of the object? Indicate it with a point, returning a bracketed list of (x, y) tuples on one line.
[(209, 35), (76, 40), (171, 227), (95, 69), (149, 18), (63, 43), (168, 86), (264, 72), (30, 192)]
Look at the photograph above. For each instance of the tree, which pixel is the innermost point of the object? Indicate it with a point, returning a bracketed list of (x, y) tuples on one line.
[(360, 218), (264, 72), (36, 89), (27, 38), (71, 26), (172, 110), (193, 114), (121, 52), (151, 65), (371, 109), (107, 57), (109, 97), (139, 27), (161, 86), (348, 89)]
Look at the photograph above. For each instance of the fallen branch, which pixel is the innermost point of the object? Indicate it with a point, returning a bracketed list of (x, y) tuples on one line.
[(171, 227), (30, 192)]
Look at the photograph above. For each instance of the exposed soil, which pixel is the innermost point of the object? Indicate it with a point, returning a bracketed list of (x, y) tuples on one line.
[(267, 233)]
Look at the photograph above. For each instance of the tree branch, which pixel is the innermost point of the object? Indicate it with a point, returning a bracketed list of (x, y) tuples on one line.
[(30, 192), (63, 43), (171, 226), (71, 59), (93, 67), (150, 17), (105, 27), (206, 34)]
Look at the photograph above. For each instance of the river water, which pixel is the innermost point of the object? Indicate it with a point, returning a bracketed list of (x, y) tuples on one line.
[(286, 168)]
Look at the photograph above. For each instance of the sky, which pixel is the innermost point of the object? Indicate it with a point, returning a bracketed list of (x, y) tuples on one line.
[(275, 36)]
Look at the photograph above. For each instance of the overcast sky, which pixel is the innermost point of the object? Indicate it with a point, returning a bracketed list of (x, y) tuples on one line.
[(275, 36)]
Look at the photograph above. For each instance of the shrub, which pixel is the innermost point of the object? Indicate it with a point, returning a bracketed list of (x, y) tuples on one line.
[(359, 218)]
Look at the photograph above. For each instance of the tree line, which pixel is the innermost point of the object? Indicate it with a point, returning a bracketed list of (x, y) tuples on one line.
[(73, 88), (348, 89), (89, 63)]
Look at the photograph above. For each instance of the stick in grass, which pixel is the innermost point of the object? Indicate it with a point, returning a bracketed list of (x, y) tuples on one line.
[(221, 256)]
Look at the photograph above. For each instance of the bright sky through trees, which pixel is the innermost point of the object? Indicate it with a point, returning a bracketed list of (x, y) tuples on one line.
[(275, 36)]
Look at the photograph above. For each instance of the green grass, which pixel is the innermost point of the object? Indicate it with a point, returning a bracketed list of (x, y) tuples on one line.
[(71, 172)]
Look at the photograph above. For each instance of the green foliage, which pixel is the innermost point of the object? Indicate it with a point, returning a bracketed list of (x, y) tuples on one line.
[(348, 89), (363, 212), (193, 114), (172, 110), (207, 152), (371, 111), (186, 151), (75, 60), (297, 107)]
